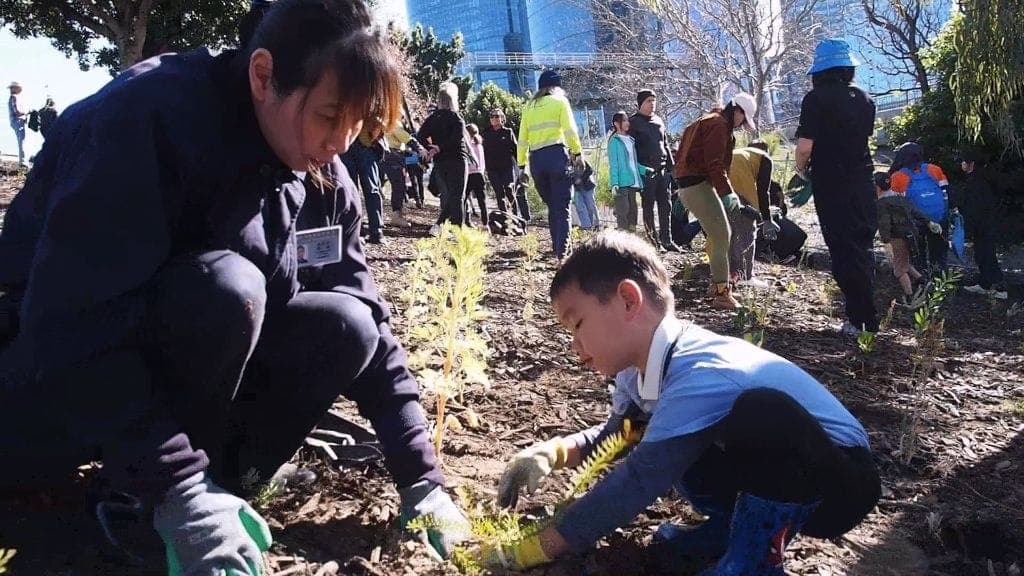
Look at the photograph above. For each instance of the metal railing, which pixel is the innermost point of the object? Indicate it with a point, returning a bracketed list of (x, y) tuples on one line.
[(566, 59)]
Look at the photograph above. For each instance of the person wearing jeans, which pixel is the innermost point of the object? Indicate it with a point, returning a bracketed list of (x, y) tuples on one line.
[(363, 161), (583, 186), (18, 119), (475, 184), (548, 135)]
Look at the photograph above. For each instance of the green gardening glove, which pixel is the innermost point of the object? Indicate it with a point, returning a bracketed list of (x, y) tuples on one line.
[(446, 527), (208, 531), (799, 190), (731, 202)]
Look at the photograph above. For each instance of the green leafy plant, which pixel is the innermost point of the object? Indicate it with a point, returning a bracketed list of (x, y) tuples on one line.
[(443, 315), (755, 337), (866, 342), (491, 527), (530, 246)]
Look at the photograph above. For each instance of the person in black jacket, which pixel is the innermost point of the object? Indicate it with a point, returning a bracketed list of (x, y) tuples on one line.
[(164, 326), (443, 134), (653, 150), (836, 121), (47, 116), (500, 159), (979, 207)]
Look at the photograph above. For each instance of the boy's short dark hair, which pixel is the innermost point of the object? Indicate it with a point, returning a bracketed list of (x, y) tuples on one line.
[(598, 266)]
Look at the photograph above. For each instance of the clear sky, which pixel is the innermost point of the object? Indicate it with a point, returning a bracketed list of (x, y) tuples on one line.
[(43, 71)]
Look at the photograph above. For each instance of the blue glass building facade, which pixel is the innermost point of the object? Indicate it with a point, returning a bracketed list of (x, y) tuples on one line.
[(486, 26)]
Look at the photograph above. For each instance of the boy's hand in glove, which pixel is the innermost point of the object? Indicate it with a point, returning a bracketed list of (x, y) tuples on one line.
[(935, 227), (529, 467), (521, 555), (208, 531), (447, 525)]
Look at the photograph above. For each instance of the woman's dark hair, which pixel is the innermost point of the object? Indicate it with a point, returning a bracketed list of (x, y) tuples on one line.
[(619, 117), (308, 38), (840, 75)]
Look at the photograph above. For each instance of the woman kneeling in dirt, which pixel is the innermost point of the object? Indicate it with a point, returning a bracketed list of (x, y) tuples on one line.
[(747, 437), (163, 322)]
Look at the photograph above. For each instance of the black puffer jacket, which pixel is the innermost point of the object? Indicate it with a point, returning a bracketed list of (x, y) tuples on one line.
[(652, 147)]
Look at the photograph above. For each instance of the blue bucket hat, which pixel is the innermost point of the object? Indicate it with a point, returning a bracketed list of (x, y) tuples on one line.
[(832, 53)]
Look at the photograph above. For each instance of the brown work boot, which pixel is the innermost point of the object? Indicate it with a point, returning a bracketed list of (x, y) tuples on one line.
[(723, 298)]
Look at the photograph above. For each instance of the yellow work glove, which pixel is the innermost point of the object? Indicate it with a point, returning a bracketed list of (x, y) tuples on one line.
[(633, 432), (529, 467), (520, 555)]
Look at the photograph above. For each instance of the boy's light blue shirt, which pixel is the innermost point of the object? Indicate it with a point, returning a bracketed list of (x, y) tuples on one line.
[(707, 372)]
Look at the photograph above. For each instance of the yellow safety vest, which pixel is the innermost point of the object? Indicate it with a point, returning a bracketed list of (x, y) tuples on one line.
[(545, 122)]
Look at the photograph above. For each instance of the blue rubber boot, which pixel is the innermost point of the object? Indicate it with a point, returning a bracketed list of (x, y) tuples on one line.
[(761, 530)]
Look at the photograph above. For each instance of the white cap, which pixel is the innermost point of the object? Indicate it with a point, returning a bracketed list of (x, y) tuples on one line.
[(747, 103)]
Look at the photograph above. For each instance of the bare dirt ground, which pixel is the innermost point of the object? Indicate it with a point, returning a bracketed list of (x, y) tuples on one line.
[(953, 501)]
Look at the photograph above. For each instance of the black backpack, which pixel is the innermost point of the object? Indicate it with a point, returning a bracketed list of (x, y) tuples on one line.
[(505, 224)]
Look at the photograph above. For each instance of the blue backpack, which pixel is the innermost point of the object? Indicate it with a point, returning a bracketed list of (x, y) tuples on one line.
[(925, 194)]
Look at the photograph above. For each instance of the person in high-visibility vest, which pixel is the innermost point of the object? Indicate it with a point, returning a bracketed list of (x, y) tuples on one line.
[(548, 135)]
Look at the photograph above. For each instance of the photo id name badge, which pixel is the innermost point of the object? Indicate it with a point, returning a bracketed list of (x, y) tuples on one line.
[(318, 246)]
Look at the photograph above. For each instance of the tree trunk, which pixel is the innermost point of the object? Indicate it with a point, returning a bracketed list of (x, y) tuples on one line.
[(921, 75)]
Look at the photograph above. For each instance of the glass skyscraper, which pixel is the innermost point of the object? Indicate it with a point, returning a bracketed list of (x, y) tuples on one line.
[(486, 26)]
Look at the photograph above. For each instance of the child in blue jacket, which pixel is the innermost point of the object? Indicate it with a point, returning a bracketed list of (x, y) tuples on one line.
[(624, 172), (748, 438)]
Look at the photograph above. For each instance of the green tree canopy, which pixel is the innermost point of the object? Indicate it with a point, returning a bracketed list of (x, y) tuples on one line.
[(135, 29), (988, 84), (489, 97), (433, 62)]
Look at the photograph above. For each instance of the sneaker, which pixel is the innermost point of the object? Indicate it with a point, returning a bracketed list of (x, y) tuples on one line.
[(848, 329), (999, 294), (755, 283), (379, 240), (670, 246), (435, 230), (977, 289)]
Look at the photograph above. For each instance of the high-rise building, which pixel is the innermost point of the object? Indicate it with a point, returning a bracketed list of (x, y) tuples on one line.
[(485, 25)]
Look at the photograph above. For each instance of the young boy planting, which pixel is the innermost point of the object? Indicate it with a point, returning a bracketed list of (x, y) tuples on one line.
[(748, 438)]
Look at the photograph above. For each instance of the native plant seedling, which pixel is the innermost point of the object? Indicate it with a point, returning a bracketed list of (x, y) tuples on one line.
[(491, 527), (530, 246), (866, 342), (444, 316), (5, 558)]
